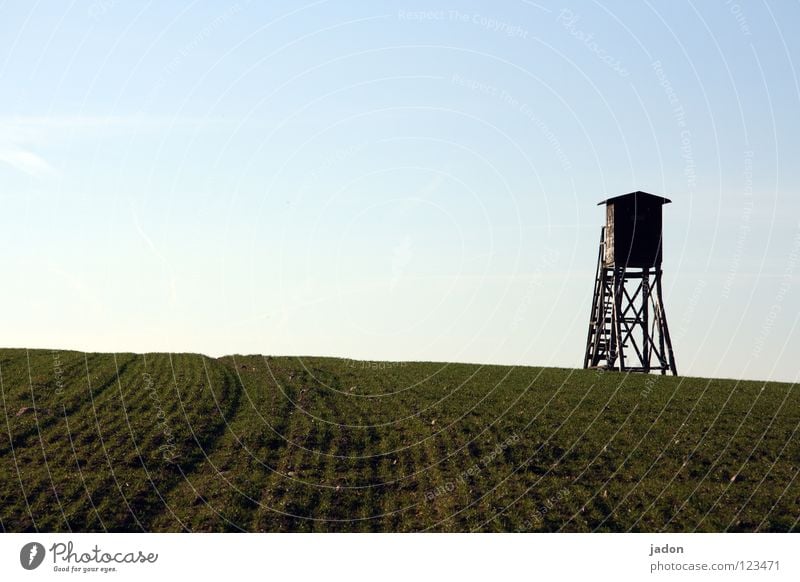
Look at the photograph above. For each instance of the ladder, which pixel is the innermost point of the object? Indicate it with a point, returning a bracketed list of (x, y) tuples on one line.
[(599, 341)]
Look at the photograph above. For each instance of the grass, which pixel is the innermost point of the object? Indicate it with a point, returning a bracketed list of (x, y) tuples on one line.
[(177, 442)]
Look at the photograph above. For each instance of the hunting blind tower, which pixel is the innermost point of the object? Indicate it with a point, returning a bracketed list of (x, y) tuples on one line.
[(628, 327)]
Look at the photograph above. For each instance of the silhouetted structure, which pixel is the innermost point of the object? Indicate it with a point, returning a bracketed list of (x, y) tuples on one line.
[(628, 327)]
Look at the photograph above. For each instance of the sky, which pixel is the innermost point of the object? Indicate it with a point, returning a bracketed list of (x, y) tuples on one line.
[(395, 180)]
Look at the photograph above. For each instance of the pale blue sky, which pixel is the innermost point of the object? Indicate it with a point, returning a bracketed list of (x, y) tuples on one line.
[(395, 180)]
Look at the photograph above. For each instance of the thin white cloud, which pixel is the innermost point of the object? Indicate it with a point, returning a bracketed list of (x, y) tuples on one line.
[(26, 161), (173, 291), (21, 135)]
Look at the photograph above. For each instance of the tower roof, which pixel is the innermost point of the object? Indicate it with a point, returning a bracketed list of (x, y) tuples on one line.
[(638, 194)]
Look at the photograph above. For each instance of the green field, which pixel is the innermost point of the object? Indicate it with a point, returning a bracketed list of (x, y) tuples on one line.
[(182, 442)]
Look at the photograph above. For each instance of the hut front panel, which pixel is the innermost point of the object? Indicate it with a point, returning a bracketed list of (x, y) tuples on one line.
[(637, 233)]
